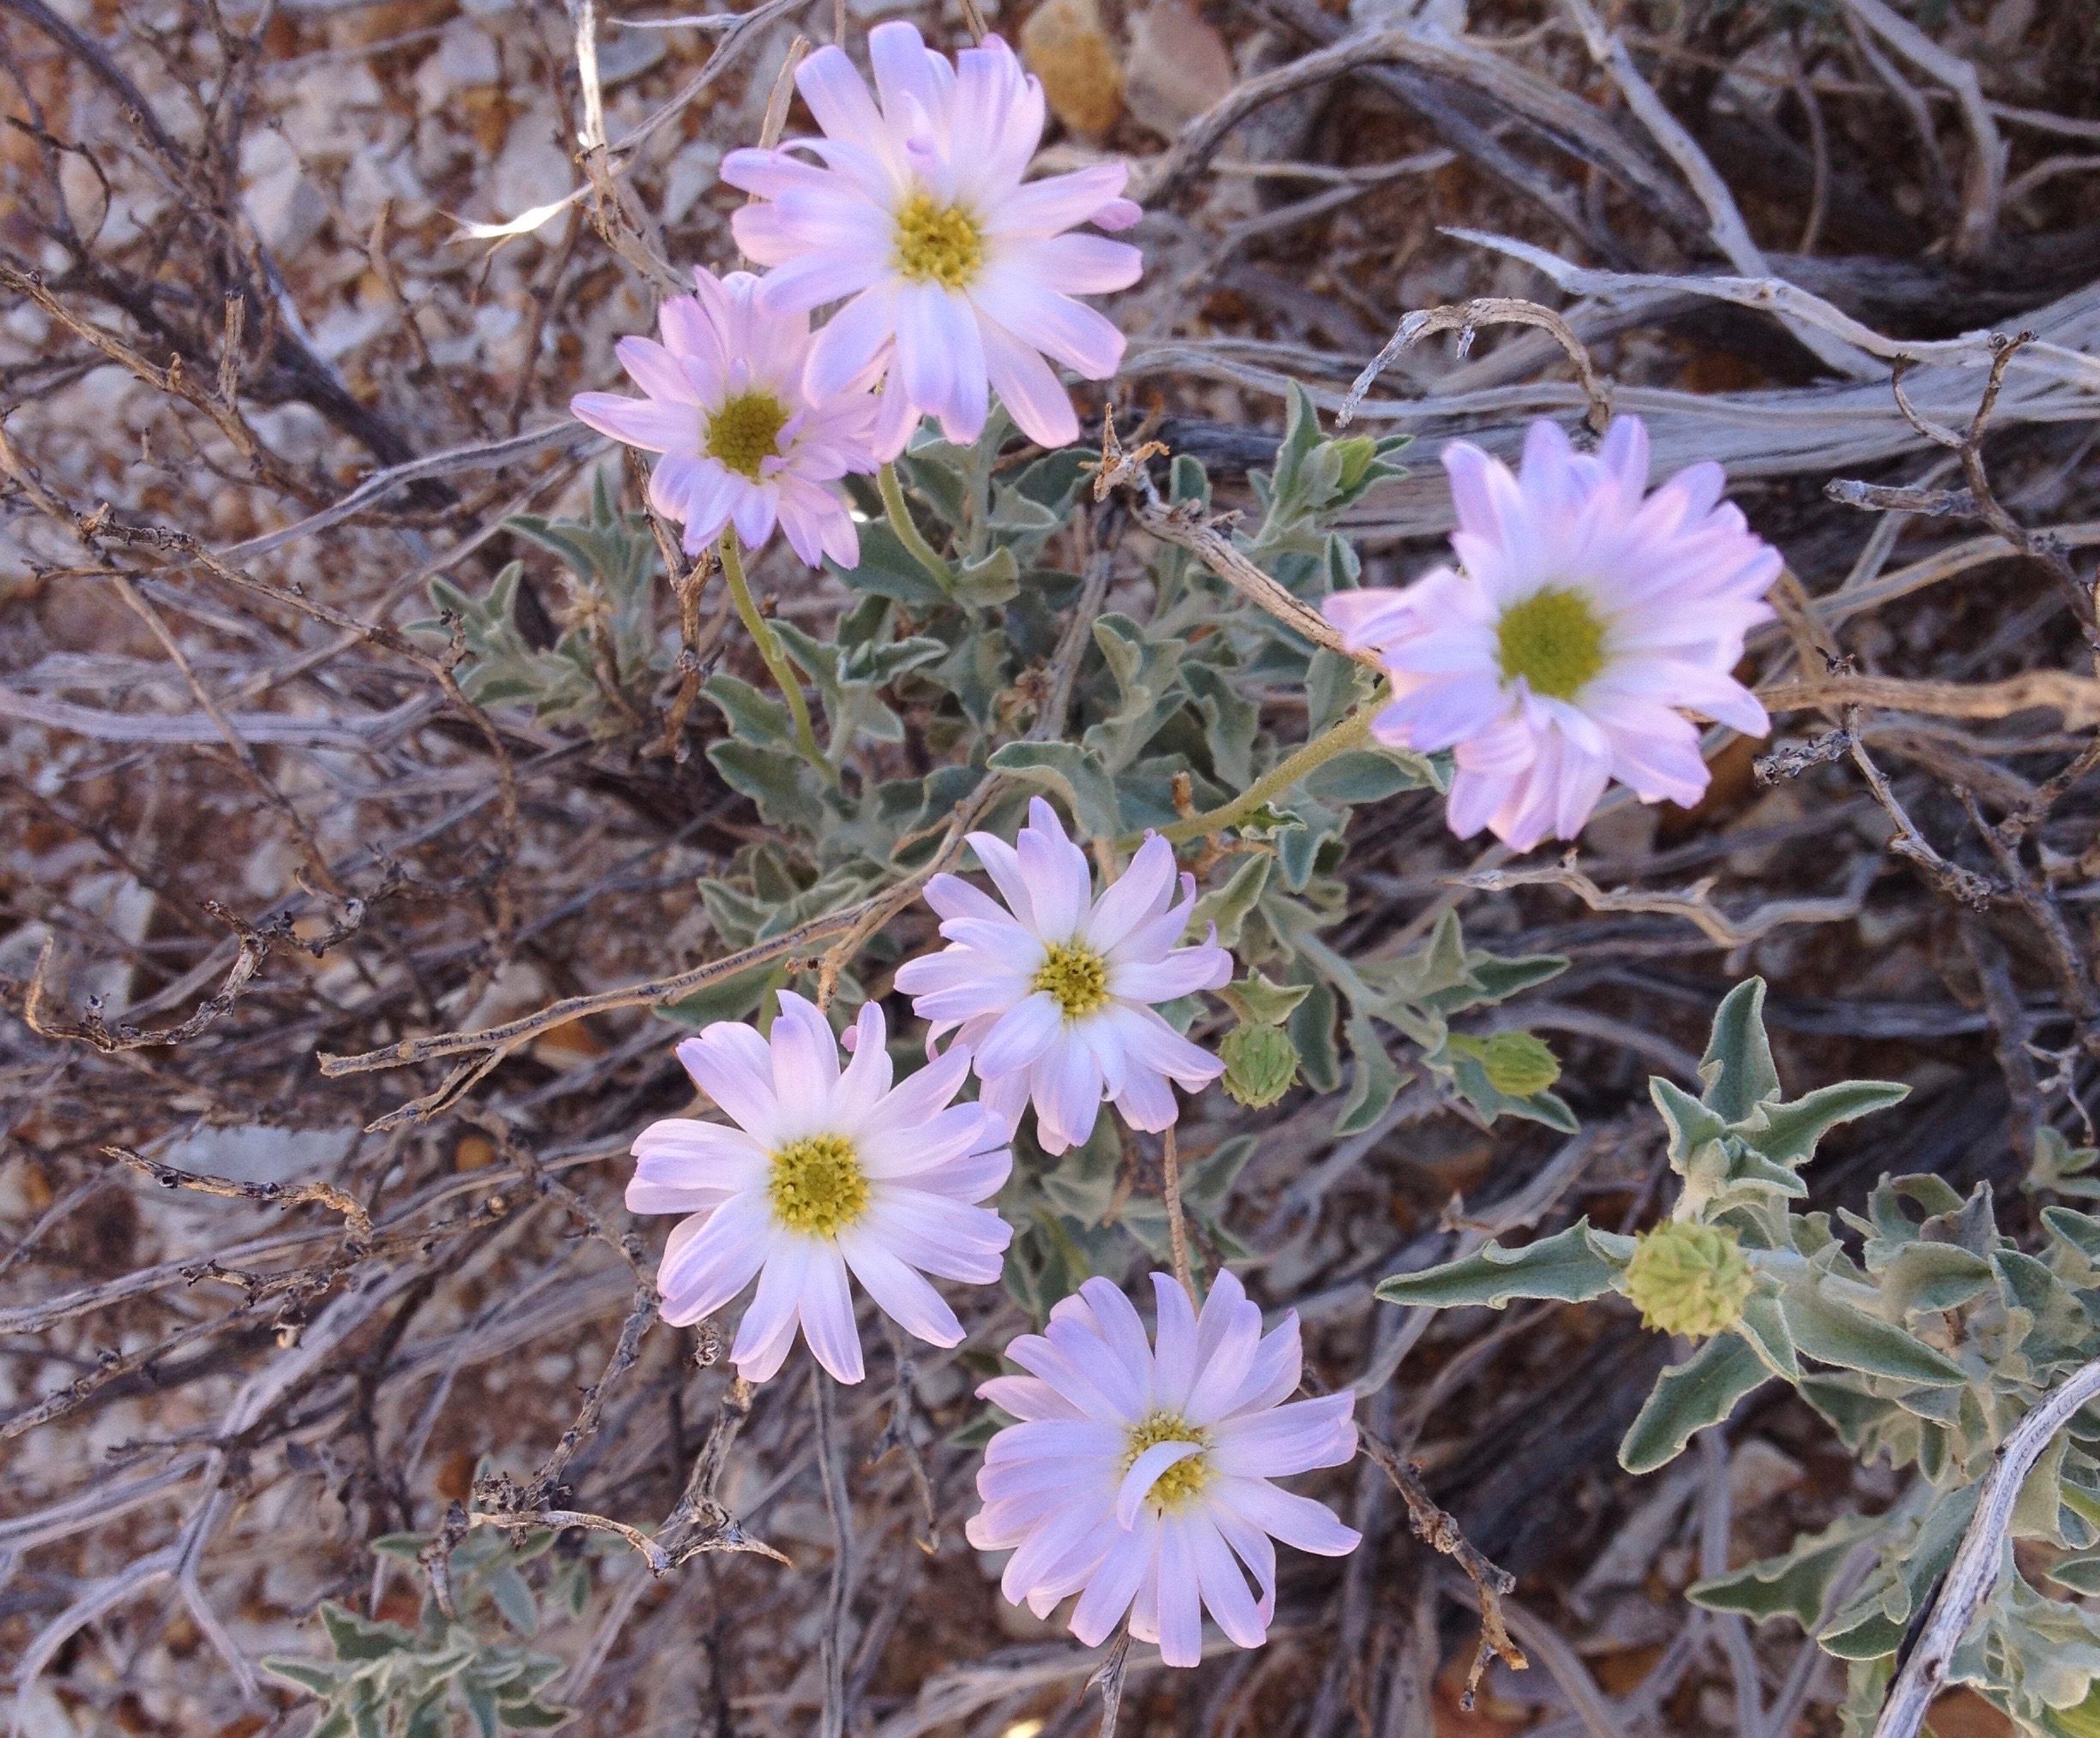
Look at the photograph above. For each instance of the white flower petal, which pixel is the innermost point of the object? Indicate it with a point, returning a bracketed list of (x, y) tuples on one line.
[(709, 1260), (827, 1314), (899, 1291), (1222, 1583), (1181, 1608), (1289, 1439), (722, 1066), (767, 1331), (1115, 1583), (1021, 1036), (1294, 1520)]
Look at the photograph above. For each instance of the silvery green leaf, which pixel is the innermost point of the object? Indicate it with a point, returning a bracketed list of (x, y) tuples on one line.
[(356, 1637), (1687, 1398), (786, 788), (1866, 1684), (1933, 1276), (2059, 1168), (2037, 1657), (532, 1716), (1206, 1181), (2037, 1511), (988, 580), (314, 1675), (1082, 1181), (1311, 1029), (1567, 1267), (887, 569), (1370, 775), (1796, 1583), (1255, 997), (1764, 1328), (1374, 1082), (1228, 905), (1074, 774), (2080, 1572), (1231, 721), (1335, 686), (1791, 1130), (1691, 1123), (514, 1599), (1860, 1417), (1737, 1068), (2079, 1232), (1146, 670), (1835, 1332), (753, 715)]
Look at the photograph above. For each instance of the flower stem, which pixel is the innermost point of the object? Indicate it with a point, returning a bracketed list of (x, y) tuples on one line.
[(775, 654), (1337, 739), (1177, 1225), (907, 529)]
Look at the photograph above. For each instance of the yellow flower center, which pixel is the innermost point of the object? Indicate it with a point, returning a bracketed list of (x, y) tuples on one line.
[(938, 244), (745, 432), (1555, 639), (817, 1186), (1076, 976), (1185, 1478)]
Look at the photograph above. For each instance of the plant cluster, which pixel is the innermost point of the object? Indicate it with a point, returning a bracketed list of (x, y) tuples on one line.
[(1922, 1340)]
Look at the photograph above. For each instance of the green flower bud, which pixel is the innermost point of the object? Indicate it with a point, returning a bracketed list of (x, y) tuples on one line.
[(1688, 1279), (1518, 1064), (1261, 1063), (1355, 454)]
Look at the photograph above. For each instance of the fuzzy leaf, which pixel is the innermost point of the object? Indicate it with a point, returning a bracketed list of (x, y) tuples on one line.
[(1687, 1398), (1791, 1130), (1376, 1082), (1796, 1583), (1074, 774), (1833, 1332), (1567, 1267), (1737, 1068)]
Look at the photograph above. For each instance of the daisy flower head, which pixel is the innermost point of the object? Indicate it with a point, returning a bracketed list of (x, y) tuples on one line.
[(1586, 617), (914, 211), (1139, 1475), (826, 1172), (1053, 991), (744, 442)]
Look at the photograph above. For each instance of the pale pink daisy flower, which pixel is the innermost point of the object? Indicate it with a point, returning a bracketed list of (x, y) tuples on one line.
[(825, 1173), (1053, 991), (744, 444), (959, 275), (1585, 619), (1143, 1475)]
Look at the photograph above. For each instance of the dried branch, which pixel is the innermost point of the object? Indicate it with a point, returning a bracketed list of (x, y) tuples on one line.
[(356, 1221), (254, 947), (1441, 1533), (2076, 697), (1693, 904), (1465, 318)]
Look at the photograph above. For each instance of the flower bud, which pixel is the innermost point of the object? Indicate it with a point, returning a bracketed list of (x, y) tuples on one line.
[(1688, 1279), (1355, 453), (1518, 1064), (1261, 1063)]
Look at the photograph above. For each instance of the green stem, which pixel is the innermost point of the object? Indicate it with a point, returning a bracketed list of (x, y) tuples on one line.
[(775, 654), (906, 529), (1337, 739)]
